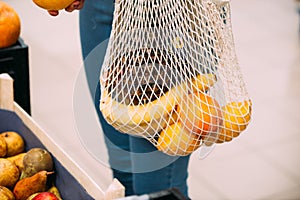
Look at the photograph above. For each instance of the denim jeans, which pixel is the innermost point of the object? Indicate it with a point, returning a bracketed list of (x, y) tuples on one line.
[(134, 161)]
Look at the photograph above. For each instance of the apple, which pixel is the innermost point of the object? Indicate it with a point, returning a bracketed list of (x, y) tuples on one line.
[(45, 196)]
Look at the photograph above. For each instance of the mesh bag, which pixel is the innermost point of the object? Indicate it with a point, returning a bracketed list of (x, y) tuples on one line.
[(171, 75)]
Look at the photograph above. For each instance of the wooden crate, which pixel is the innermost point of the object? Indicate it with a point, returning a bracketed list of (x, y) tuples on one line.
[(72, 181)]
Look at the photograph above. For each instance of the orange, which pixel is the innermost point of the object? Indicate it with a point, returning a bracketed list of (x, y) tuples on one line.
[(175, 140), (53, 4), (10, 25), (200, 113)]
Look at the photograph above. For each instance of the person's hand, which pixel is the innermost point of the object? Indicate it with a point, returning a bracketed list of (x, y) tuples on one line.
[(76, 5)]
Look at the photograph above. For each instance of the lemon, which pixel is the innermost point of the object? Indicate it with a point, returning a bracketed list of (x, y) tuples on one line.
[(175, 140), (237, 116)]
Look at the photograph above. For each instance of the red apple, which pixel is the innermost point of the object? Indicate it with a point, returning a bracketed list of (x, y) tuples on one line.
[(45, 196)]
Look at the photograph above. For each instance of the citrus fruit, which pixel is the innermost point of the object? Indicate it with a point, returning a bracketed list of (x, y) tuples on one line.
[(53, 4), (237, 116), (10, 25), (175, 140), (200, 113)]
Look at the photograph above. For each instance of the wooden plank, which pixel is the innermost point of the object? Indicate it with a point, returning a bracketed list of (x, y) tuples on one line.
[(6, 92), (79, 174), (114, 191)]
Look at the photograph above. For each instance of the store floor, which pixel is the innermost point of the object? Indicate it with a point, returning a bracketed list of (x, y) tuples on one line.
[(263, 163)]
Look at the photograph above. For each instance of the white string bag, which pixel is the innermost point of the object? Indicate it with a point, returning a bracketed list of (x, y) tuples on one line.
[(171, 75)]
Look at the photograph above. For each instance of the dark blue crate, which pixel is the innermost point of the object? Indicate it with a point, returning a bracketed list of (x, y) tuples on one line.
[(68, 186)]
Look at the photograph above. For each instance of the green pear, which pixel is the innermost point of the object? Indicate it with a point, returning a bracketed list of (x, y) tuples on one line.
[(35, 160)]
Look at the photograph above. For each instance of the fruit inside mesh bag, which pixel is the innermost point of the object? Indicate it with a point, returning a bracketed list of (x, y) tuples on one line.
[(170, 74)]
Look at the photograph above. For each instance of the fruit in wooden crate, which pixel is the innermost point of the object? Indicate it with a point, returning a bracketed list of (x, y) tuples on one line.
[(45, 196), (9, 173), (14, 142), (6, 194), (200, 113), (18, 160), (176, 140), (25, 187), (53, 189), (10, 25), (35, 160), (237, 116), (55, 195), (53, 4), (32, 196), (3, 147)]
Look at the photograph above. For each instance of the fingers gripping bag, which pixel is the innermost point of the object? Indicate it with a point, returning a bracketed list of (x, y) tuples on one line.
[(171, 75)]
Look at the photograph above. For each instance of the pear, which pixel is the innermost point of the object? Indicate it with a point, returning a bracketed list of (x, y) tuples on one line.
[(55, 191), (18, 160), (30, 185), (32, 196), (35, 160), (9, 173), (15, 143), (3, 147), (6, 194)]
